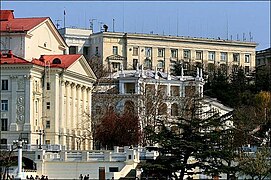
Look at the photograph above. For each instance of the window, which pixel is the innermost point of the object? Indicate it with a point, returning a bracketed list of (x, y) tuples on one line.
[(97, 51), (246, 69), (199, 55), (36, 106), (115, 50), (4, 84), (135, 61), (186, 53), (116, 65), (148, 64), (160, 64), (48, 105), (211, 56), (247, 58), (135, 51), (161, 52), (4, 124), (223, 56), (148, 52), (174, 53), (48, 124), (85, 51), (113, 169), (236, 57), (47, 141), (4, 105), (48, 87), (73, 49)]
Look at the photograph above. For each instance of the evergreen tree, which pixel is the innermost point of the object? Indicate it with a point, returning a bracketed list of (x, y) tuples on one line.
[(195, 140)]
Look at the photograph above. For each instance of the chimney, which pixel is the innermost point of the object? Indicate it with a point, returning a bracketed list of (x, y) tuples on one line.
[(42, 58), (10, 55)]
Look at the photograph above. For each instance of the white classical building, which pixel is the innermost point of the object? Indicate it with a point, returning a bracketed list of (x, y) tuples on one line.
[(44, 93), (44, 100)]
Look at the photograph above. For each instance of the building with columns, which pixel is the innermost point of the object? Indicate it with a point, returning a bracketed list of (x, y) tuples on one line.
[(142, 91), (47, 100)]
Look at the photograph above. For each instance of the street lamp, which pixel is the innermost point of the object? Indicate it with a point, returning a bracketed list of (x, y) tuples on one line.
[(41, 132), (19, 142)]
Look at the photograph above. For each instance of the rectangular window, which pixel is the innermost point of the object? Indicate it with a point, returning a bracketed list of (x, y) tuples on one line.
[(160, 64), (211, 55), (186, 53), (47, 141), (148, 51), (236, 57), (135, 51), (4, 105), (113, 169), (48, 124), (223, 56), (97, 51), (48, 87), (48, 105), (135, 61), (198, 55), (115, 50), (161, 52), (174, 53), (85, 51), (4, 124), (247, 58), (73, 50), (246, 69), (4, 84)]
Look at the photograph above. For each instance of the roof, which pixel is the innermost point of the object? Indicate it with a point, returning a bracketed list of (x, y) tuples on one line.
[(11, 24), (53, 61), (57, 61), (12, 59)]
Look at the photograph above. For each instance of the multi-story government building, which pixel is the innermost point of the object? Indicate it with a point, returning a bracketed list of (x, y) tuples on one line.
[(151, 50)]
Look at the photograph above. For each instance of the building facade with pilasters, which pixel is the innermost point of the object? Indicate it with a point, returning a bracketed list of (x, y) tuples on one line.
[(46, 101)]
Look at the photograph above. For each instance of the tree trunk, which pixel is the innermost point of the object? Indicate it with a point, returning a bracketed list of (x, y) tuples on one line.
[(183, 169)]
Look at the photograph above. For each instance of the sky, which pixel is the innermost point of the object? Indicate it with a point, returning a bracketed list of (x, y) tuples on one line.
[(208, 19)]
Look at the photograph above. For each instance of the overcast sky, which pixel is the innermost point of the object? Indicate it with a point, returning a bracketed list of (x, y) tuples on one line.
[(195, 19)]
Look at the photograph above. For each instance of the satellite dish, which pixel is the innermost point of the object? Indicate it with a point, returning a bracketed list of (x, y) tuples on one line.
[(105, 27)]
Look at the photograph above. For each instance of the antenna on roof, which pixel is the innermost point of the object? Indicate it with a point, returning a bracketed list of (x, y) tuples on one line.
[(250, 37), (113, 25), (64, 17), (57, 23), (91, 24), (244, 36), (178, 22), (237, 37)]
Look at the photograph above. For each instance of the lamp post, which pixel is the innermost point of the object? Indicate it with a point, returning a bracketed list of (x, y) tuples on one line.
[(19, 144), (41, 132)]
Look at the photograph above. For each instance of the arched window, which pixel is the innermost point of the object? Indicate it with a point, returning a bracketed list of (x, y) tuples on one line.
[(174, 109), (162, 110), (56, 61)]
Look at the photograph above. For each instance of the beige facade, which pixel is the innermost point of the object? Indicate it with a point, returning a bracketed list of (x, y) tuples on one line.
[(46, 105), (163, 52)]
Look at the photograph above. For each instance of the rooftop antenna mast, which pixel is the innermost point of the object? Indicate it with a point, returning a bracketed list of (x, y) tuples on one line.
[(113, 25), (57, 23), (64, 18), (178, 22), (250, 37), (91, 21), (101, 27), (244, 36)]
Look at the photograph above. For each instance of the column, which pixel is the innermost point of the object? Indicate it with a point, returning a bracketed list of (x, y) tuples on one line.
[(79, 120), (68, 123), (13, 103), (73, 108), (168, 89), (89, 142), (28, 100), (62, 110)]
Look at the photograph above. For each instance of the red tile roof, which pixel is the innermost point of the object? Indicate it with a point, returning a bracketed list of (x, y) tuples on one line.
[(53, 61), (11, 24), (12, 59)]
